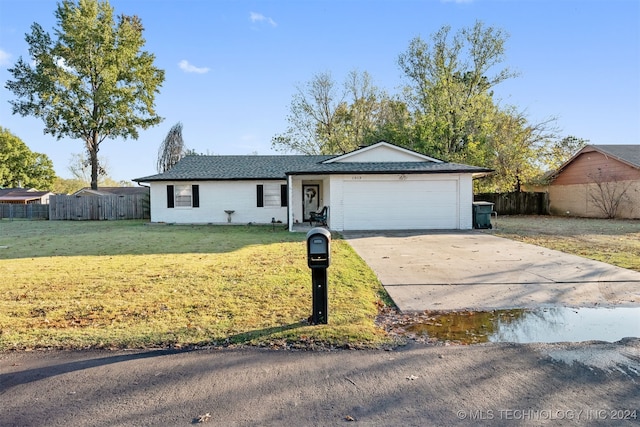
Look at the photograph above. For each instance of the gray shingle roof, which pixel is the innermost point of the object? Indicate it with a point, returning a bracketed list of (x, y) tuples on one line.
[(196, 167), (628, 153), (200, 168), (389, 167)]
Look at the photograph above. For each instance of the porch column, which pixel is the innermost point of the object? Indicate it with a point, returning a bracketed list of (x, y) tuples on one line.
[(290, 201)]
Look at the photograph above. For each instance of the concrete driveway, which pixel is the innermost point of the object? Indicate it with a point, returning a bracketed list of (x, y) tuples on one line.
[(474, 270)]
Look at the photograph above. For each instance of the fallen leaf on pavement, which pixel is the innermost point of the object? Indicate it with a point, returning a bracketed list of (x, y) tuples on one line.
[(204, 418)]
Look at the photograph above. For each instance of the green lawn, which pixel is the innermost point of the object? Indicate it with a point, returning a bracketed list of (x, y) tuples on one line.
[(127, 284)]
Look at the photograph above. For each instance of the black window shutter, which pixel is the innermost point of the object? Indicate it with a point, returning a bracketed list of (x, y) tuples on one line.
[(260, 195), (170, 203), (283, 195), (195, 195)]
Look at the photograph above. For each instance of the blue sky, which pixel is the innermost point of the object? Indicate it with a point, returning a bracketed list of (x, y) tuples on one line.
[(233, 66)]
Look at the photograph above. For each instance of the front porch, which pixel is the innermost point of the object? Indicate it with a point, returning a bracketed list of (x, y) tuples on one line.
[(304, 227), (307, 194)]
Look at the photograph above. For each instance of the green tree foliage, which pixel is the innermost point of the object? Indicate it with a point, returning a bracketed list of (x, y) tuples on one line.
[(312, 118), (172, 149), (561, 151), (361, 112), (450, 94), (93, 82), (21, 167), (327, 119), (446, 111), (394, 124), (80, 168), (450, 82), (71, 185), (515, 149), (67, 186)]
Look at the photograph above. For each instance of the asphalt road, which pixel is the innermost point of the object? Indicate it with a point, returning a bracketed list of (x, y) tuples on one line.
[(417, 385)]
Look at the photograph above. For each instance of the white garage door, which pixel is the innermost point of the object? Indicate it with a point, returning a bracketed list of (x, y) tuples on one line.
[(400, 205)]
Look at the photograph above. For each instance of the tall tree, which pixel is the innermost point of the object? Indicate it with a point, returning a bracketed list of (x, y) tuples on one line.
[(172, 149), (312, 118), (361, 109), (450, 82), (21, 167), (329, 120), (514, 148), (93, 82)]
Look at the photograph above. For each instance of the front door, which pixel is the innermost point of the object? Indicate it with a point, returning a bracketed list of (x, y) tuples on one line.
[(310, 200)]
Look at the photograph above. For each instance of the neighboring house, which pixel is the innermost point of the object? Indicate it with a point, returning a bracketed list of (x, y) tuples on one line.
[(24, 196), (112, 191), (595, 179), (378, 187)]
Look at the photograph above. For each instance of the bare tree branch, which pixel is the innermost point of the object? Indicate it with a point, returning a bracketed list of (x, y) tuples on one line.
[(172, 149)]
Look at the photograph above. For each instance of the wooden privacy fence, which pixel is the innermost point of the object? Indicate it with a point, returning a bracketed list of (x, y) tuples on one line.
[(517, 203), (110, 207), (21, 211)]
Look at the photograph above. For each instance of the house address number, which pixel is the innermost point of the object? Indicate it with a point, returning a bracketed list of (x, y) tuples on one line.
[(356, 177)]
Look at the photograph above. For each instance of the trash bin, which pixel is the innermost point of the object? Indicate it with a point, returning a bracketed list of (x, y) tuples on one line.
[(482, 214)]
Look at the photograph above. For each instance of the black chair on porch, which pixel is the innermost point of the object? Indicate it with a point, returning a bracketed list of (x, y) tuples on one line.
[(320, 216)]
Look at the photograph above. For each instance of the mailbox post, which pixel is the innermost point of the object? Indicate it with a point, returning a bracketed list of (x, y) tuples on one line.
[(318, 259)]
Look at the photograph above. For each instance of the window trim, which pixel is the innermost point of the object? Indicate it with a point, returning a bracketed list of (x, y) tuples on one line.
[(283, 196), (171, 196)]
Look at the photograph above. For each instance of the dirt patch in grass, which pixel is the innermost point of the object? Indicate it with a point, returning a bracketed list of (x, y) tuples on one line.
[(615, 242)]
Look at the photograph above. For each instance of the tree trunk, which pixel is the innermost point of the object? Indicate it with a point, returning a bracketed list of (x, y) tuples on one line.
[(93, 157)]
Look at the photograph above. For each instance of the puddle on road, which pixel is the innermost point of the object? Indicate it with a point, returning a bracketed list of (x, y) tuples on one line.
[(558, 324)]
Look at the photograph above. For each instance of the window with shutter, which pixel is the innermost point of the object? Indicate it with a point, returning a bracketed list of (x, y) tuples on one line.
[(271, 195)]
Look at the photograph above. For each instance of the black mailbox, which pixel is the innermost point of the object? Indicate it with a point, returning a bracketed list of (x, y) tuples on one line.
[(319, 258), (318, 248)]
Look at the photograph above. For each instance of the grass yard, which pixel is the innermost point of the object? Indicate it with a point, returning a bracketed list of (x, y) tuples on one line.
[(126, 284), (615, 242)]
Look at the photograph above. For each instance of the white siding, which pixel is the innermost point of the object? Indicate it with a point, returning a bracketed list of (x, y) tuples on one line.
[(397, 205), (466, 201), (215, 198), (379, 202), (371, 202), (336, 209), (382, 154)]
